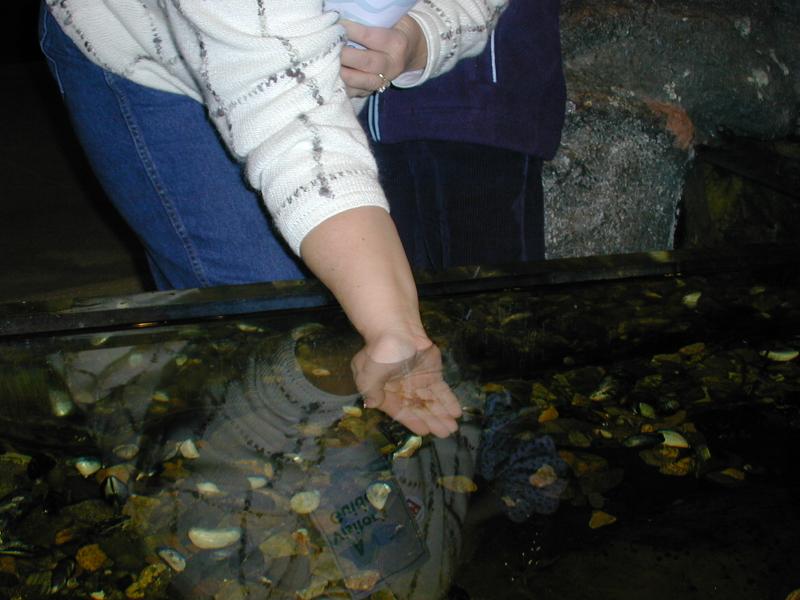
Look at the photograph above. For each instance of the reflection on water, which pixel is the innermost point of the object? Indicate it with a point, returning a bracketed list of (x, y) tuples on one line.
[(617, 437)]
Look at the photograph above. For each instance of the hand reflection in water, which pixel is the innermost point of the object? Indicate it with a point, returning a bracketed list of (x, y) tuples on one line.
[(411, 391)]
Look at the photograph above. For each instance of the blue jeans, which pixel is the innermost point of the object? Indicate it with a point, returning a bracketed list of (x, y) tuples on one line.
[(165, 169)]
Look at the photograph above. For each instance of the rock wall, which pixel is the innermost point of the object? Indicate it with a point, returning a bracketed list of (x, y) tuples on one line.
[(647, 81)]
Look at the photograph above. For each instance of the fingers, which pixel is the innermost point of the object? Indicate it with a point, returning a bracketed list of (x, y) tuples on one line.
[(446, 399), (355, 31), (368, 61), (407, 417), (384, 40), (411, 391), (359, 83), (381, 57)]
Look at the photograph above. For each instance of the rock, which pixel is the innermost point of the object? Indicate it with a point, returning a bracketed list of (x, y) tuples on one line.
[(647, 85), (153, 579), (91, 557), (616, 182), (731, 65)]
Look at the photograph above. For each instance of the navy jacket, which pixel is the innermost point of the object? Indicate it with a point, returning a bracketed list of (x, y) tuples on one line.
[(512, 96)]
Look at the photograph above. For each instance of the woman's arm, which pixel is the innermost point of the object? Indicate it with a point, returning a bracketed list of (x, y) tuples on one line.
[(358, 255)]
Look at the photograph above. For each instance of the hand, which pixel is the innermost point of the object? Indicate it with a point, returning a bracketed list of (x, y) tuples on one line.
[(390, 52), (411, 390)]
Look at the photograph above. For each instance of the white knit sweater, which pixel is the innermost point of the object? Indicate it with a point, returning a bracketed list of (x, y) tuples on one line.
[(268, 73)]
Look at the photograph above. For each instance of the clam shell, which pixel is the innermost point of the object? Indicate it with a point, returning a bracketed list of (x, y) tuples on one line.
[(548, 414), (673, 438), (781, 355), (304, 503), (257, 482), (126, 451), (159, 396), (691, 300), (208, 488), (352, 411), (601, 519), (646, 410), (544, 476), (188, 449), (213, 539), (409, 447), (174, 559), (87, 466), (61, 403), (378, 494)]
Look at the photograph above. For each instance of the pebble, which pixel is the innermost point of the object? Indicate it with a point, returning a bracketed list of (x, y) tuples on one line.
[(213, 539), (304, 503)]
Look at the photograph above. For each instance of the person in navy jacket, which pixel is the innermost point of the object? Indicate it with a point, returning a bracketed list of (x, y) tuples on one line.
[(460, 157)]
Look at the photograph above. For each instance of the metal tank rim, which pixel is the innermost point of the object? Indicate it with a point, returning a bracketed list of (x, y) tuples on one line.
[(72, 315)]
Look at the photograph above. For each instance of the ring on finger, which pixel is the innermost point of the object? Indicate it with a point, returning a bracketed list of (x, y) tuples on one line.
[(385, 83)]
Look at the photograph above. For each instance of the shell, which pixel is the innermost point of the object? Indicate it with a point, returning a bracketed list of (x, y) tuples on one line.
[(643, 440), (114, 490), (734, 473), (544, 476), (673, 438), (61, 404), (174, 559), (257, 482), (601, 519), (691, 300), (781, 355), (646, 410), (352, 411), (304, 503), (159, 396), (188, 449), (548, 414), (378, 494), (126, 451), (87, 466), (208, 488), (213, 539), (409, 447)]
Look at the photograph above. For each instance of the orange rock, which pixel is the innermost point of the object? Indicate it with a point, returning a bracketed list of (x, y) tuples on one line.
[(678, 122), (64, 536), (548, 414), (601, 519), (91, 558), (734, 473)]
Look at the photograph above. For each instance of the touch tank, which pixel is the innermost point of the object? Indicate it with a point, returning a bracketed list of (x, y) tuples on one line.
[(630, 430)]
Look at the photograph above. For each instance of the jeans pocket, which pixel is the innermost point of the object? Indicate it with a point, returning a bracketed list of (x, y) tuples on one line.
[(46, 31)]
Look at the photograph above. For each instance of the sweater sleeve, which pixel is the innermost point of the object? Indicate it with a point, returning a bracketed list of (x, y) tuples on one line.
[(269, 74), (453, 29)]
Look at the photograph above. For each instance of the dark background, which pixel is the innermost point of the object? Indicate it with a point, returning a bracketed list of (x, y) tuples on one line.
[(58, 234), (18, 42)]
